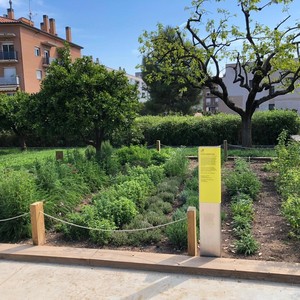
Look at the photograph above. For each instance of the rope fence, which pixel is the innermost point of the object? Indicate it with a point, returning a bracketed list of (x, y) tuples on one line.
[(38, 230), (114, 230), (14, 218)]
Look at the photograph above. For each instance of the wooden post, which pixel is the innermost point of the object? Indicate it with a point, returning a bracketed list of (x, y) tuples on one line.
[(38, 223), (158, 145), (192, 231), (59, 155), (225, 150)]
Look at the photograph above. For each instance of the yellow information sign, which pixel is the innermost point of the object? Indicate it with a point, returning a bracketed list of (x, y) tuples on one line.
[(210, 174)]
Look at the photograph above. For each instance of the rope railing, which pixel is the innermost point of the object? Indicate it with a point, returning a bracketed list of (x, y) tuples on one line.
[(13, 218), (113, 230)]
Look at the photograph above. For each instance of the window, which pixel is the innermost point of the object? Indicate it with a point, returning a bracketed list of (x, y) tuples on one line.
[(39, 74), (46, 57), (271, 106), (271, 90), (8, 50), (37, 51)]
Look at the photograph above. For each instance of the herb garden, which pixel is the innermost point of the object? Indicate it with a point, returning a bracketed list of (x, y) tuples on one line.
[(124, 191)]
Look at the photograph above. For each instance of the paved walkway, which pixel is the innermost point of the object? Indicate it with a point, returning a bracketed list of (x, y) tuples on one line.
[(234, 268), (46, 272), (23, 280)]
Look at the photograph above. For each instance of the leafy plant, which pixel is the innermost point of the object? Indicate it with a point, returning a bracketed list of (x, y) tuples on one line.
[(17, 192), (246, 245), (242, 180), (141, 237), (291, 211), (177, 232), (104, 234), (177, 165)]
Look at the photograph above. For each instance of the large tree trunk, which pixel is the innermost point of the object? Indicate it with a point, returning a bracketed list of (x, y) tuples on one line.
[(21, 138), (247, 130)]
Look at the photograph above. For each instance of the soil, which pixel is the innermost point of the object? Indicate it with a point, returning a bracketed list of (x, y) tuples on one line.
[(270, 229)]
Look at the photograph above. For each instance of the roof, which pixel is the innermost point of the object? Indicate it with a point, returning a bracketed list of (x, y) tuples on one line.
[(25, 22), (7, 20)]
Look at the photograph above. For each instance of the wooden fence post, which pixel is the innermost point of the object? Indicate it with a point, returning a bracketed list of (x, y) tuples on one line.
[(59, 155), (158, 145), (38, 223), (192, 231), (225, 150)]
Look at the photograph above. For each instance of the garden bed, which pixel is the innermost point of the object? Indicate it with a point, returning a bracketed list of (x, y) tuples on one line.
[(270, 229)]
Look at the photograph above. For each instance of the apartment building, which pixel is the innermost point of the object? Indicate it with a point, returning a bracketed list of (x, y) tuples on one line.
[(136, 79), (239, 96), (26, 51)]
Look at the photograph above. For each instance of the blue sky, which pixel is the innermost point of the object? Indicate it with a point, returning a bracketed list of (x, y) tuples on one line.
[(109, 29)]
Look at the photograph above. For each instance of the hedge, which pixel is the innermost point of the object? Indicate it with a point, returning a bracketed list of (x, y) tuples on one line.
[(186, 130), (212, 130)]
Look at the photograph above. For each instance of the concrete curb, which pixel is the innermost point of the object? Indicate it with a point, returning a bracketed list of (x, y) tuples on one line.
[(219, 267)]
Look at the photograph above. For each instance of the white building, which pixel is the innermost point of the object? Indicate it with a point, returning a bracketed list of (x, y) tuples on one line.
[(238, 95), (143, 94)]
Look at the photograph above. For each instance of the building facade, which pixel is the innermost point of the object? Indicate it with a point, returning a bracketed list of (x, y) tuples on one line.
[(137, 80), (238, 95), (27, 51)]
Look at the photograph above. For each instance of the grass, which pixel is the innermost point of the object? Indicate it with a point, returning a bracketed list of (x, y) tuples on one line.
[(256, 152), (252, 152), (16, 159)]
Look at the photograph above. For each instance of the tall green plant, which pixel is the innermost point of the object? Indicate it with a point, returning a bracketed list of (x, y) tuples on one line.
[(17, 192)]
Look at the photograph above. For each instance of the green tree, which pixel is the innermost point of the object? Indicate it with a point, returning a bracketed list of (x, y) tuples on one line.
[(85, 100), (167, 95), (266, 60), (15, 115)]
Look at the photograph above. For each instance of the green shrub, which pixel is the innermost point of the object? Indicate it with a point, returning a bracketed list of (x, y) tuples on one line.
[(267, 125), (155, 218), (288, 183), (177, 232), (246, 245), (158, 205), (192, 184), (134, 156), (242, 181), (243, 208), (136, 190), (120, 210), (119, 238), (168, 186), (166, 196), (90, 153), (177, 165), (104, 234), (142, 237), (79, 218), (17, 192), (193, 200), (189, 131), (46, 174), (291, 211), (155, 173)]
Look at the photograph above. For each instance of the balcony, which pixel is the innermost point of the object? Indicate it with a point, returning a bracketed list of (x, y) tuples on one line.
[(8, 56), (47, 61), (9, 83)]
